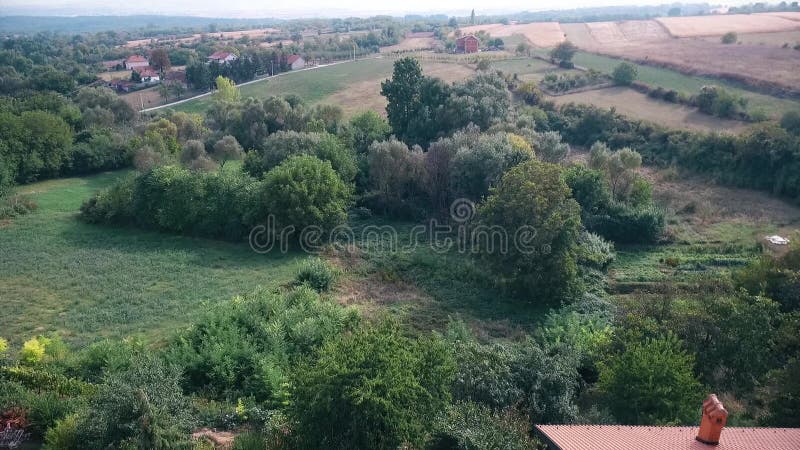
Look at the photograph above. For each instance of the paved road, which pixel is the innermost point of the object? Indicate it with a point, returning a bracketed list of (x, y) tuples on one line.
[(168, 105)]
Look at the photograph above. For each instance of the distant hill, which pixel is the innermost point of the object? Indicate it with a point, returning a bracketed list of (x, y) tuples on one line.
[(94, 24)]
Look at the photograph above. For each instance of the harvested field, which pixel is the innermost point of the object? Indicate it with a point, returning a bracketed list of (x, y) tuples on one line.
[(785, 15), (222, 35), (540, 34), (777, 39), (719, 25), (766, 67), (409, 44), (639, 106), (149, 97), (116, 75), (366, 95)]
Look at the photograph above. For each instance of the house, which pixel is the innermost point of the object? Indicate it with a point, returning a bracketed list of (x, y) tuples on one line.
[(121, 85), (147, 74), (467, 44), (176, 76), (296, 62), (711, 435), (222, 57), (135, 61)]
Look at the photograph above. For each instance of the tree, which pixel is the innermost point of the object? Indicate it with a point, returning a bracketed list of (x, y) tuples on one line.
[(620, 167), (195, 157), (523, 48), (791, 122), (395, 180), (177, 89), (652, 383), (373, 389), (478, 165), (402, 93), (163, 91), (281, 145), (535, 209), (226, 149), (159, 59), (472, 17), (366, 128), (563, 52), (549, 147), (625, 74), (303, 192), (227, 90)]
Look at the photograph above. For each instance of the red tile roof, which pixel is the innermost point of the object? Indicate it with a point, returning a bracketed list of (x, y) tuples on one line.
[(292, 58), (146, 72), (614, 437), (136, 58)]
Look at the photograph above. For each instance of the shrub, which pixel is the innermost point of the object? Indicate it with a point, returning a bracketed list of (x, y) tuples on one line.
[(319, 274), (396, 176), (244, 348), (63, 435), (479, 165), (281, 145), (469, 426), (627, 224), (625, 74), (304, 191), (729, 38), (594, 251), (249, 441), (372, 389), (651, 382), (533, 196), (142, 407), (791, 122)]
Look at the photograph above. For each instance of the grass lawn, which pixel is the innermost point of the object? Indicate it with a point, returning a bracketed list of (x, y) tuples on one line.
[(89, 282), (311, 85)]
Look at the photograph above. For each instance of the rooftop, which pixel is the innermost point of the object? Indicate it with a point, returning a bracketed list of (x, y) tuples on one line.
[(619, 437)]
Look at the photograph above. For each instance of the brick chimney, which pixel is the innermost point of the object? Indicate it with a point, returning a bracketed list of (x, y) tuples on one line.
[(715, 416)]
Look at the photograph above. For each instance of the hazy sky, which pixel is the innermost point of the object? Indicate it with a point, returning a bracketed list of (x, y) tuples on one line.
[(287, 8)]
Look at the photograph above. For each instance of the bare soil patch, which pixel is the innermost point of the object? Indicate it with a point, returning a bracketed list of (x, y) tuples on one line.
[(540, 34), (410, 44), (721, 24), (149, 97), (639, 106)]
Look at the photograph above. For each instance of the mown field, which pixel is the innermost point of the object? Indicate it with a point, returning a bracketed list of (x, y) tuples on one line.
[(88, 282)]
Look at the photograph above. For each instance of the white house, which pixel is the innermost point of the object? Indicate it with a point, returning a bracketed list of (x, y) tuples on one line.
[(296, 62), (135, 61)]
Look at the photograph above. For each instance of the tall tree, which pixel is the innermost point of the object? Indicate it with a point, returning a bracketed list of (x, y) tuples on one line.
[(403, 94), (159, 59), (472, 17)]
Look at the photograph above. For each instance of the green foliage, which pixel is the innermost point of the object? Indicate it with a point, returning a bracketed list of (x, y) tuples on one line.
[(142, 407), (625, 74), (470, 426), (319, 274), (652, 382), (244, 347), (566, 82), (541, 263), (791, 122), (304, 191), (366, 128), (563, 52), (594, 251), (227, 90), (34, 144), (373, 389), (396, 174), (719, 102), (249, 441), (63, 435), (284, 144), (402, 94), (42, 407)]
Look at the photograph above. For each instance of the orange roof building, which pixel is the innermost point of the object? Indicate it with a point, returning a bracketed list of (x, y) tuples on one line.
[(710, 435)]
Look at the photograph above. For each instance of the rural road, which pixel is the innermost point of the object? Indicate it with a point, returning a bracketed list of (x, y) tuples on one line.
[(168, 105)]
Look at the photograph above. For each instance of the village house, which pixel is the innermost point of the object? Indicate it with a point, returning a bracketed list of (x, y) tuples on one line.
[(135, 61), (222, 57), (117, 64), (296, 62), (711, 435), (147, 74), (467, 44)]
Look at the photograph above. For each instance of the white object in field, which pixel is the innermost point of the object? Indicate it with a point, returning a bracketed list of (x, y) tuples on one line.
[(777, 240)]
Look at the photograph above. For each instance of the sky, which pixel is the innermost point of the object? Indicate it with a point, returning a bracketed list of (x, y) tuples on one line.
[(292, 8)]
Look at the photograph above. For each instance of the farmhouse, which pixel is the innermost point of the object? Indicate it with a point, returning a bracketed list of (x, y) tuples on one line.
[(467, 44), (296, 62), (222, 57), (147, 74), (135, 61), (711, 435)]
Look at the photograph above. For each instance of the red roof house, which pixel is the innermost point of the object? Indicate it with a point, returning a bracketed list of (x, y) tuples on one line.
[(135, 61), (148, 74), (711, 435), (296, 62), (467, 44)]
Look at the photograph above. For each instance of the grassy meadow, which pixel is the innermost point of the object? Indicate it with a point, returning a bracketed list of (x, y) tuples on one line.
[(88, 282)]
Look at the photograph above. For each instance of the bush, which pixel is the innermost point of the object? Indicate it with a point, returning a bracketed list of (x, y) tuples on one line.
[(142, 407), (791, 122), (625, 74), (729, 38), (244, 348), (372, 389), (396, 176), (63, 435), (281, 145), (468, 426), (479, 165), (652, 382), (318, 274), (627, 224), (303, 192), (533, 196)]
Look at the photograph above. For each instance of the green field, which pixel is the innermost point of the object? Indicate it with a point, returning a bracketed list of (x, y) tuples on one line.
[(89, 282), (688, 84), (311, 85)]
